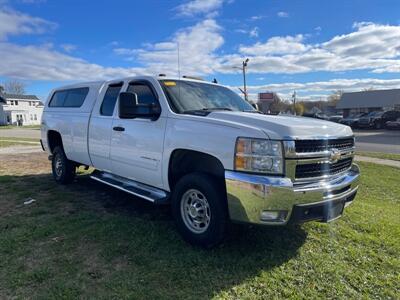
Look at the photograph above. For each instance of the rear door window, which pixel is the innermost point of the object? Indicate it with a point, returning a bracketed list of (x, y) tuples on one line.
[(69, 98), (109, 100), (75, 97), (58, 99)]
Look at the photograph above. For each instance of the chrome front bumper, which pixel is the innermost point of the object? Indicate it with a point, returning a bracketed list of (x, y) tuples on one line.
[(251, 195)]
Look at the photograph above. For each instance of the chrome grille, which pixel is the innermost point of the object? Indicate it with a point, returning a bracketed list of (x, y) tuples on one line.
[(315, 159), (304, 146), (321, 169)]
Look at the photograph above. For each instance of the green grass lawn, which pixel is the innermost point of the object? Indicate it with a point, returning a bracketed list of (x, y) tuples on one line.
[(12, 141), (391, 156), (90, 241), (22, 127)]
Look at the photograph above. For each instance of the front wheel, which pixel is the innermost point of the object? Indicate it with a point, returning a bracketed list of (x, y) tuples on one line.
[(199, 209), (63, 169)]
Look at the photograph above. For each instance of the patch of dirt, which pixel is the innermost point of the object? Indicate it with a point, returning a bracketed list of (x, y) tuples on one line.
[(25, 164)]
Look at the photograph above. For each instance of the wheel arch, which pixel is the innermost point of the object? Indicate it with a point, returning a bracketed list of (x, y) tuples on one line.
[(54, 139), (186, 161)]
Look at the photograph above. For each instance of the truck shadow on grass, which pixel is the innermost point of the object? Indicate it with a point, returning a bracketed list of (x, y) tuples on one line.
[(116, 245)]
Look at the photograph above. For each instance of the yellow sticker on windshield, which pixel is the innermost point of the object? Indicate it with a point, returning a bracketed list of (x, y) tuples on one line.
[(170, 83)]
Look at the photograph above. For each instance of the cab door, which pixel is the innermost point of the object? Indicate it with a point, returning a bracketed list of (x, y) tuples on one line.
[(137, 144), (100, 127)]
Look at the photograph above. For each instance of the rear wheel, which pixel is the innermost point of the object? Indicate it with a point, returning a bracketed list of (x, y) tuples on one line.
[(199, 209), (63, 169)]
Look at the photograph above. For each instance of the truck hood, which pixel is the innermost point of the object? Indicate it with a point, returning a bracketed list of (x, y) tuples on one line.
[(285, 127)]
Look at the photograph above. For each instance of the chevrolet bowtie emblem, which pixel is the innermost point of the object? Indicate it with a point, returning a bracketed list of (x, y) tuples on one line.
[(334, 156)]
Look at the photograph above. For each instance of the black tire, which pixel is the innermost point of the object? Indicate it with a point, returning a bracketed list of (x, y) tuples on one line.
[(378, 125), (216, 199), (63, 169)]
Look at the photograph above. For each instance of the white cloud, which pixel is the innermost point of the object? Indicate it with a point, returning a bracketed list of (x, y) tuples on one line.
[(44, 63), (197, 46), (322, 88), (254, 32), (370, 40), (371, 47), (68, 47), (276, 45), (14, 23), (199, 7), (281, 54), (282, 14), (258, 17)]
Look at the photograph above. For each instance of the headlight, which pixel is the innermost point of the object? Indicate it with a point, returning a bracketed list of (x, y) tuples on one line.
[(258, 155)]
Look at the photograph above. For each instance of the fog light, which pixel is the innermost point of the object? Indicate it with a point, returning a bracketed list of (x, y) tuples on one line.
[(273, 215)]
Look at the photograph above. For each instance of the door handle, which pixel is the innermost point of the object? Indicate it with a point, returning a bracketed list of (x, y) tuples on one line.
[(118, 128)]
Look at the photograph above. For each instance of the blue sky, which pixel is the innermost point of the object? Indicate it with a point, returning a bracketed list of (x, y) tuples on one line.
[(315, 47)]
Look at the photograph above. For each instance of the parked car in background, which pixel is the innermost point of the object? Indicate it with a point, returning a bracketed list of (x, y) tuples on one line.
[(378, 119), (393, 124), (335, 118), (320, 116), (352, 120)]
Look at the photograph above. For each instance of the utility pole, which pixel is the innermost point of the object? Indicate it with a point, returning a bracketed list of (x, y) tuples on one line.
[(244, 78), (294, 102), (244, 67)]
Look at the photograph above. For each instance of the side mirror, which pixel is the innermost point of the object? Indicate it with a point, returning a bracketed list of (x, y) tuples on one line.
[(129, 108)]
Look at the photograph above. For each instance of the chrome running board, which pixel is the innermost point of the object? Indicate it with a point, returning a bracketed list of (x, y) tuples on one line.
[(152, 194)]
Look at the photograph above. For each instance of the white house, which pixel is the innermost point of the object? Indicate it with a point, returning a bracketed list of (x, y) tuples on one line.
[(20, 110)]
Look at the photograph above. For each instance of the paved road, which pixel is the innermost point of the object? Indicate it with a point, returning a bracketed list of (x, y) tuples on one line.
[(386, 141), (20, 133)]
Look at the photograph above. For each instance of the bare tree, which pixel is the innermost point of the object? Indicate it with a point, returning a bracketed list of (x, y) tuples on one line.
[(14, 87), (334, 98)]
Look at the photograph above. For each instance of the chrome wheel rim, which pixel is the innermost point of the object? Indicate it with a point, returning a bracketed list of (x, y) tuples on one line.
[(195, 211), (58, 166)]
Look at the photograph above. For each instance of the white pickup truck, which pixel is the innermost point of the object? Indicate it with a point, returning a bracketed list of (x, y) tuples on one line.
[(202, 148)]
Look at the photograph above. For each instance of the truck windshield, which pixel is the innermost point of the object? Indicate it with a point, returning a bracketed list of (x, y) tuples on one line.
[(189, 96)]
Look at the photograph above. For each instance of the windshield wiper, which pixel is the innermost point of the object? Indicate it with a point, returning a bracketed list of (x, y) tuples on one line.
[(206, 110), (216, 108), (252, 111)]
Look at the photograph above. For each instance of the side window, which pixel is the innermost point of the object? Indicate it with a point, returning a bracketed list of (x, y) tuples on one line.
[(110, 98), (75, 97), (58, 99), (69, 98), (144, 93)]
